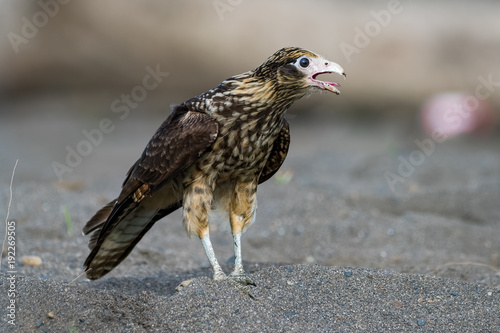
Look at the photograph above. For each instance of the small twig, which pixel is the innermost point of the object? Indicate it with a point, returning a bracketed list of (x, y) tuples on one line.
[(465, 263), (79, 276), (8, 211)]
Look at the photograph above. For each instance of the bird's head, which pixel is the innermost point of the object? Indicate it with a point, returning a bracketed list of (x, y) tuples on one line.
[(295, 70)]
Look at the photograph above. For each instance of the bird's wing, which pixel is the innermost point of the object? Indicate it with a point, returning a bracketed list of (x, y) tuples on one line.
[(278, 153), (175, 146)]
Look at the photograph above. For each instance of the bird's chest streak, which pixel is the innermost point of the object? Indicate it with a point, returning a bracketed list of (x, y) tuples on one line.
[(241, 149)]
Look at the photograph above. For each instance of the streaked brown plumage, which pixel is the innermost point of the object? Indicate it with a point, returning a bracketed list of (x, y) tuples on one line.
[(209, 155)]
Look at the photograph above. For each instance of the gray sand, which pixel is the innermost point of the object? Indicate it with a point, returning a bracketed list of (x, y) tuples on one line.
[(428, 253), (295, 298)]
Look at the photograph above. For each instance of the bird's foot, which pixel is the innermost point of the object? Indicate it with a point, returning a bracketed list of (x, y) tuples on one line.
[(238, 278), (241, 277), (240, 281), (219, 275), (242, 286)]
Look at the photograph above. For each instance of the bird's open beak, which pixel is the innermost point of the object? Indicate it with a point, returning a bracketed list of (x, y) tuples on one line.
[(326, 67)]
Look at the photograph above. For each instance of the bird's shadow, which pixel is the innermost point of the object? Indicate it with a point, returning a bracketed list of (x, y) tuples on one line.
[(162, 283)]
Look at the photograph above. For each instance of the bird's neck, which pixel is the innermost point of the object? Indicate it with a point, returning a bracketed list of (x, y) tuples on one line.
[(260, 93), (246, 97)]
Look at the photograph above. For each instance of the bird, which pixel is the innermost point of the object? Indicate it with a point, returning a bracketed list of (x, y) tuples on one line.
[(207, 157)]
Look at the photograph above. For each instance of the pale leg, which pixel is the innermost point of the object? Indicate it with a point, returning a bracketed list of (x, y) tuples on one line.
[(209, 250), (238, 274), (238, 266)]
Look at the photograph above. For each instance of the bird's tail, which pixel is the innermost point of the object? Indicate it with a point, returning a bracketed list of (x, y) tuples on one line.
[(116, 230), (96, 223)]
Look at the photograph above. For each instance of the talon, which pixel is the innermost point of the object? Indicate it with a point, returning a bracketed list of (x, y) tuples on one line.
[(242, 287), (241, 278), (240, 281)]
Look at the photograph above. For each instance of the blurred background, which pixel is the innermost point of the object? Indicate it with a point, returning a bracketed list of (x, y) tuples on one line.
[(414, 130), (64, 63)]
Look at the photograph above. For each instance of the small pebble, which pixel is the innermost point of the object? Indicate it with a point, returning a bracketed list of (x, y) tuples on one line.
[(397, 304), (348, 273), (51, 315), (421, 322), (454, 293), (183, 284), (289, 314), (31, 261), (310, 260), (39, 324)]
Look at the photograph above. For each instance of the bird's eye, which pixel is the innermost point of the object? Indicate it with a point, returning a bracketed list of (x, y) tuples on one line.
[(304, 62)]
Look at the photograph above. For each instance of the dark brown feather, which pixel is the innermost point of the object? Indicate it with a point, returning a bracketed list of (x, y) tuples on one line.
[(176, 145), (99, 270), (99, 218), (278, 153)]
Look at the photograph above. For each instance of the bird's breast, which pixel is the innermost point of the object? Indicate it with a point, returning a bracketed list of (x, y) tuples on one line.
[(241, 149)]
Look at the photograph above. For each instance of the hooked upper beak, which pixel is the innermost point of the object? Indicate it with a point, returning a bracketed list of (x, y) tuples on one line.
[(325, 68)]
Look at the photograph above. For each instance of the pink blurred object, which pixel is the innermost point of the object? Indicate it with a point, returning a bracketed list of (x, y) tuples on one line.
[(453, 113)]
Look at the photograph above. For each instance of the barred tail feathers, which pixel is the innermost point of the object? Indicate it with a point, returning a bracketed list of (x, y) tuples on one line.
[(111, 246)]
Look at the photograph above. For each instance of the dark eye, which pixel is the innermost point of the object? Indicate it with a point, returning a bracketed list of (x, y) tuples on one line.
[(304, 62)]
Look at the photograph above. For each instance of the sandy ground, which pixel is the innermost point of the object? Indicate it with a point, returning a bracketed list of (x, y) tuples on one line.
[(427, 254)]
